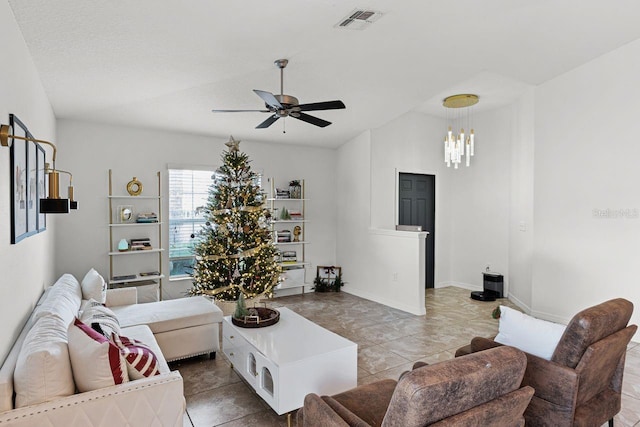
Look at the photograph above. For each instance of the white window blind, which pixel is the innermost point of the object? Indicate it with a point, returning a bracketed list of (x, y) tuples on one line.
[(188, 193)]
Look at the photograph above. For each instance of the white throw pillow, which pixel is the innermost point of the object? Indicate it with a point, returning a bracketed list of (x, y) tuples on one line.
[(43, 370), (531, 335), (94, 286), (100, 318), (96, 361), (62, 300)]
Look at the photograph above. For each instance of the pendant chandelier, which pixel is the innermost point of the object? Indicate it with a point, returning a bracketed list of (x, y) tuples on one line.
[(461, 145)]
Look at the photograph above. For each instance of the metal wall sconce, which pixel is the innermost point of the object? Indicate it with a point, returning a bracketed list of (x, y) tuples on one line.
[(52, 203)]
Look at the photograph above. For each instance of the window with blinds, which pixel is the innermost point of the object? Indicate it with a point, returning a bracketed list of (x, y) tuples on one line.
[(188, 193)]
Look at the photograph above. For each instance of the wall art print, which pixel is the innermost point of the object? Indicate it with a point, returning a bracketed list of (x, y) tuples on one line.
[(27, 183)]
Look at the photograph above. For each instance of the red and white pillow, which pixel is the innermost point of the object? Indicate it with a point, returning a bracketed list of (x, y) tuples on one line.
[(96, 362), (141, 360)]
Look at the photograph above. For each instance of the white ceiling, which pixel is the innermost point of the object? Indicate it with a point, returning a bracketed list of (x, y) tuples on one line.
[(165, 64)]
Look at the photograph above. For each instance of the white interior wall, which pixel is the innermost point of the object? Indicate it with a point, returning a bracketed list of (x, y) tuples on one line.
[(586, 158), (411, 144), (472, 206), (479, 197), (380, 265), (137, 152), (28, 265), (521, 201), (353, 209)]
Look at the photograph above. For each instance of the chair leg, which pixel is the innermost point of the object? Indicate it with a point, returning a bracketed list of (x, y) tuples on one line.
[(611, 422)]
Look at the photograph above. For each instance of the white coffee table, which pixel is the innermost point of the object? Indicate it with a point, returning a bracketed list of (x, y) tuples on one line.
[(286, 361)]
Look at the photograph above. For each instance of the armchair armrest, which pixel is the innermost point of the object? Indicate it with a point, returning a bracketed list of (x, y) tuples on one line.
[(122, 296), (480, 344), (317, 412), (477, 344), (553, 382)]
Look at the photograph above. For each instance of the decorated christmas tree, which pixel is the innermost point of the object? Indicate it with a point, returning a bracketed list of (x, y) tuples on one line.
[(235, 252)]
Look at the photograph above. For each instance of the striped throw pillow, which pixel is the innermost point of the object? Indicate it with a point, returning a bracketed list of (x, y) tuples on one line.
[(141, 361)]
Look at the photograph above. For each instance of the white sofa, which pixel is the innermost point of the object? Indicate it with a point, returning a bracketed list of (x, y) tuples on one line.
[(172, 329), (183, 327)]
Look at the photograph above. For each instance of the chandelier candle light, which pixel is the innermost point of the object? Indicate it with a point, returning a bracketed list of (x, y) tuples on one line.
[(456, 146)]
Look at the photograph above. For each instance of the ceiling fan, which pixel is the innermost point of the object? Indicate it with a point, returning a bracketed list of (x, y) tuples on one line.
[(280, 106)]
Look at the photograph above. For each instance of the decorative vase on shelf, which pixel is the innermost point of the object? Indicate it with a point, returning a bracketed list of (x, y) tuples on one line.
[(123, 245)]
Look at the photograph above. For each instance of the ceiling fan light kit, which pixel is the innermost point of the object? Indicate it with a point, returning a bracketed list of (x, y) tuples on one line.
[(457, 146), (282, 106)]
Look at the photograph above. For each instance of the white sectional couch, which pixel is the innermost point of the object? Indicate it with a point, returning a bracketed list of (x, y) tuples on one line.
[(183, 327), (37, 380)]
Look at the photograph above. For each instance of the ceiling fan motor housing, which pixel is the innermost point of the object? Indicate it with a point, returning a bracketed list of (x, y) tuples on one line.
[(286, 100)]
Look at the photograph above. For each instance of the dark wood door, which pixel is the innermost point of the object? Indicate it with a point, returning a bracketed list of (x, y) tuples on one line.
[(417, 199)]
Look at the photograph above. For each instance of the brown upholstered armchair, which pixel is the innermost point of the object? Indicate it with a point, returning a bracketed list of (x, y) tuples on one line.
[(581, 384), (479, 389)]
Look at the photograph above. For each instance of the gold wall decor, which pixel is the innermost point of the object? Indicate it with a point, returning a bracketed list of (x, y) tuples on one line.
[(134, 187)]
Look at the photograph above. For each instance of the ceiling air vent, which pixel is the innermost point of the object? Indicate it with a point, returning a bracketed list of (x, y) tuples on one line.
[(358, 19)]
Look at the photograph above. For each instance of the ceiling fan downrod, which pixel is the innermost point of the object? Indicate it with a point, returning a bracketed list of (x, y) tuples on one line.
[(281, 63)]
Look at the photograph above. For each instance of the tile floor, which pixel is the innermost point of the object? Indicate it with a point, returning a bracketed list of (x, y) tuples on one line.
[(389, 341)]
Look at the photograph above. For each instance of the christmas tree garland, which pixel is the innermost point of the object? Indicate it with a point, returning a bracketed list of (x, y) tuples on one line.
[(238, 209), (247, 293), (243, 254)]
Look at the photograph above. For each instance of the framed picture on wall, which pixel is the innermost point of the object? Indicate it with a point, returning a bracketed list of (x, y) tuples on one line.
[(32, 198), (24, 199), (18, 160), (40, 186), (125, 213)]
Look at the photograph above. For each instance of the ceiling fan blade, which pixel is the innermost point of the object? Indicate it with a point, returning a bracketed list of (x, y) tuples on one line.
[(271, 120), (240, 111), (310, 119), (315, 106), (268, 98)]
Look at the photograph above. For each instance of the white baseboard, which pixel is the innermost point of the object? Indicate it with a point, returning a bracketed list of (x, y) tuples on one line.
[(520, 304)]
